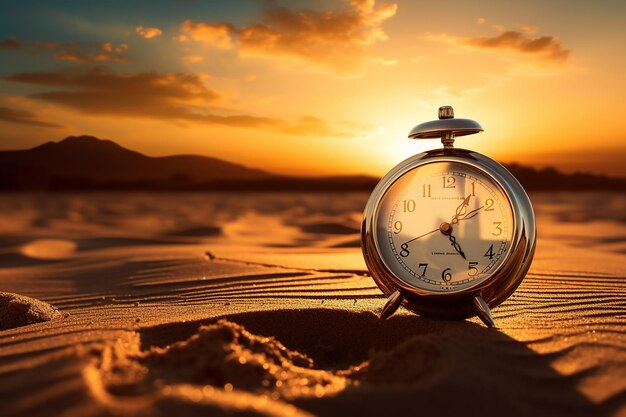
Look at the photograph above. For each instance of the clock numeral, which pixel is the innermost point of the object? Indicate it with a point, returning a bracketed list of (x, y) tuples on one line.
[(424, 270), (489, 254), (446, 275), (426, 190), (489, 204), (404, 250), (498, 231), (397, 227), (473, 189), (409, 206), (448, 182), (472, 270)]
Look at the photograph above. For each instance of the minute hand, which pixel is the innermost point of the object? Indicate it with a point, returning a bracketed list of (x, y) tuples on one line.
[(456, 246), (468, 215)]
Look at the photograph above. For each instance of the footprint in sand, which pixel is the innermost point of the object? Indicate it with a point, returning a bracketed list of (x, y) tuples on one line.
[(343, 358)]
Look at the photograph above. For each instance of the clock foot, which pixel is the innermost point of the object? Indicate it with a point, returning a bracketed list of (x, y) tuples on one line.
[(392, 304), (483, 311)]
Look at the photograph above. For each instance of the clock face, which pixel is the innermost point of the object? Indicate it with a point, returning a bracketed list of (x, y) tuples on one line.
[(444, 227)]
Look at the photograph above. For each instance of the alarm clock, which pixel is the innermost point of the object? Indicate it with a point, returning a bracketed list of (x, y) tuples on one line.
[(448, 233)]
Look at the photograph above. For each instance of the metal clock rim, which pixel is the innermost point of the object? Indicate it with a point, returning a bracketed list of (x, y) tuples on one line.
[(509, 274)]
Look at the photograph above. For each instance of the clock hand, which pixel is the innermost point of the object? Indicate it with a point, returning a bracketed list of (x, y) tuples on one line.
[(419, 237), (459, 212), (469, 215), (461, 209), (456, 219), (456, 246), (446, 229)]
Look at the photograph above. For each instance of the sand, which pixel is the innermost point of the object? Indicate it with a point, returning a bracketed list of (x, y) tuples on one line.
[(17, 310), (210, 304)]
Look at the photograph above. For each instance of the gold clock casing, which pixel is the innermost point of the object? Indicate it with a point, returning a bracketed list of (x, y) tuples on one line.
[(499, 285)]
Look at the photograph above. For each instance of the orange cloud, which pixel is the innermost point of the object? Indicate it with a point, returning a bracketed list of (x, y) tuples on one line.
[(76, 52), (175, 97), (101, 91), (108, 47), (527, 28), (192, 59), (148, 33), (331, 37), (107, 53), (23, 117), (546, 48), (218, 34)]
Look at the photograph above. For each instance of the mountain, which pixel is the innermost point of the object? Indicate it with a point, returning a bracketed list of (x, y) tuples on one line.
[(550, 179), (104, 160), (89, 163)]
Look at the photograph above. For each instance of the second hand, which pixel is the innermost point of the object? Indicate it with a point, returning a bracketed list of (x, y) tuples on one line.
[(419, 237)]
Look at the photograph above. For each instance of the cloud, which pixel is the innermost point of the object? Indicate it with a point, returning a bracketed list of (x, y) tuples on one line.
[(192, 59), (107, 53), (23, 117), (76, 52), (101, 91), (108, 47), (527, 28), (218, 34), (148, 33), (180, 98), (83, 55), (335, 38), (544, 48), (10, 44)]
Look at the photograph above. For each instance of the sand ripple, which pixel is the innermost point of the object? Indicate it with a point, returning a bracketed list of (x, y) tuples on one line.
[(275, 315)]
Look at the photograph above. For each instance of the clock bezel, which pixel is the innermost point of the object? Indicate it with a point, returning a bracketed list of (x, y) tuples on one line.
[(494, 289)]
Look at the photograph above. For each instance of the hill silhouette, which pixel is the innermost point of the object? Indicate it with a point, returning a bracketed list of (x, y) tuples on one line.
[(105, 160), (551, 179), (89, 163)]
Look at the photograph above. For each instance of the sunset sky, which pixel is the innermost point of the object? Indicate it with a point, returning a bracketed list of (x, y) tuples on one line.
[(317, 88)]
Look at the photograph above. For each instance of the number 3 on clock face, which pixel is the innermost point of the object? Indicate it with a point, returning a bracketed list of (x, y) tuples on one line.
[(444, 227)]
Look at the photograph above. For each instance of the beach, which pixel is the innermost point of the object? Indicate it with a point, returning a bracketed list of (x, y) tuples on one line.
[(159, 304)]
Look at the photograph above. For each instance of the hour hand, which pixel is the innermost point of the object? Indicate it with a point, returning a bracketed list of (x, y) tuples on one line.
[(461, 209)]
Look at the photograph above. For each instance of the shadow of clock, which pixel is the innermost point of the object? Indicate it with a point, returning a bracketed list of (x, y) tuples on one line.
[(405, 364)]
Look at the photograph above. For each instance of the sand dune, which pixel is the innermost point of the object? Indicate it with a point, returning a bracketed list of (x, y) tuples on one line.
[(272, 316)]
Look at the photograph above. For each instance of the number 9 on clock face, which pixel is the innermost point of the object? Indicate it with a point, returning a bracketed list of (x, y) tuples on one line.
[(444, 227)]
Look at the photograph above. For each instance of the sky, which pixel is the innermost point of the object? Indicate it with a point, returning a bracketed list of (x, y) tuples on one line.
[(319, 88)]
